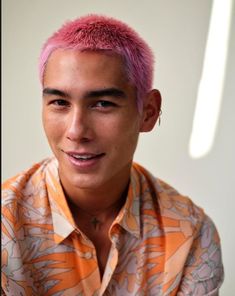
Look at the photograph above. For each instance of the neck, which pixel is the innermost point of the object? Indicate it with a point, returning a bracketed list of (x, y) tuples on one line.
[(95, 204), (100, 215), (96, 200)]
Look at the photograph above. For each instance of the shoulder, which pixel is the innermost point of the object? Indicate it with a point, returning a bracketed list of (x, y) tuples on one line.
[(27, 182), (177, 206), (172, 206), (176, 210), (25, 201), (188, 233)]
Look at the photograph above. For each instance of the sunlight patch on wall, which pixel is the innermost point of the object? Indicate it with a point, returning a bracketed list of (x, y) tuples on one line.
[(212, 80)]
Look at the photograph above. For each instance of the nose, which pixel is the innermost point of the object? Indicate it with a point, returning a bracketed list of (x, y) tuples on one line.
[(78, 128)]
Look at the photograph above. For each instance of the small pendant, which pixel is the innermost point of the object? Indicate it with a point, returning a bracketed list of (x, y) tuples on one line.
[(95, 222)]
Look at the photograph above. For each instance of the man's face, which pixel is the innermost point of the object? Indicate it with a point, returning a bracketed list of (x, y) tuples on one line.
[(90, 117)]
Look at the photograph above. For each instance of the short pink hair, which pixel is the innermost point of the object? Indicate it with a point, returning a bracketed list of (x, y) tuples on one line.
[(97, 32)]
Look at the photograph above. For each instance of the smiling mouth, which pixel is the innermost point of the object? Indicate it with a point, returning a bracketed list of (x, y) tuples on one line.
[(85, 157)]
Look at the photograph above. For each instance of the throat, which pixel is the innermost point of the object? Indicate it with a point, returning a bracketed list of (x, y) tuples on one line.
[(95, 223)]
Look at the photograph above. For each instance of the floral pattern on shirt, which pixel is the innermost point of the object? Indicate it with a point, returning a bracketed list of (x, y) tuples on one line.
[(162, 243)]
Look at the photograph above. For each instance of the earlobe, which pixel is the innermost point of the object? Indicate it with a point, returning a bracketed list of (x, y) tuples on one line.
[(151, 110)]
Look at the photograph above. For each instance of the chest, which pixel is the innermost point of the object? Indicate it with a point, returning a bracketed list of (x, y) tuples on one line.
[(125, 266)]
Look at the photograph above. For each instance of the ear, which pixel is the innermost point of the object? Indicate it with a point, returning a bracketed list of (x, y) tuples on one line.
[(151, 110)]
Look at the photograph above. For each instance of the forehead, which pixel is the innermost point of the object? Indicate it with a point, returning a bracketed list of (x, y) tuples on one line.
[(85, 64)]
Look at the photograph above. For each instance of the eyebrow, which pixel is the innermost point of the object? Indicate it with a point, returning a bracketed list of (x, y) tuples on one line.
[(54, 92), (106, 92)]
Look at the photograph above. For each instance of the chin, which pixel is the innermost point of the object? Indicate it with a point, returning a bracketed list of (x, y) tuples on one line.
[(87, 183)]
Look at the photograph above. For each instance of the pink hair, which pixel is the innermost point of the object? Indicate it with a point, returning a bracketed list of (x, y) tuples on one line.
[(96, 32)]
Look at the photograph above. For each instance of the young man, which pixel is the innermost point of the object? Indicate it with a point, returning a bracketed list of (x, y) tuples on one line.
[(89, 221)]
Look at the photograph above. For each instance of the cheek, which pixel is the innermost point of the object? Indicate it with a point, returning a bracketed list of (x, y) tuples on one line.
[(130, 135), (53, 127), (127, 121), (122, 134)]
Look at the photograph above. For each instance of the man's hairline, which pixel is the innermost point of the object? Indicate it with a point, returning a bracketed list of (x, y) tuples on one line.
[(104, 51)]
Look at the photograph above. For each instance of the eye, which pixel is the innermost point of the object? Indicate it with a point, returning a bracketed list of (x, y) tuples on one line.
[(104, 104), (59, 103)]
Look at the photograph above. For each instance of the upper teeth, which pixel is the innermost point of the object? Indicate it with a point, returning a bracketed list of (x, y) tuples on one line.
[(82, 156)]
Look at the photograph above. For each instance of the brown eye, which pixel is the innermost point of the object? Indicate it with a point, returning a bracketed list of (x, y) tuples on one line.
[(60, 102), (104, 104)]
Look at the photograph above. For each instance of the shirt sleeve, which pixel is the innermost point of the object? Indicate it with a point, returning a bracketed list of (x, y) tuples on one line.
[(203, 273)]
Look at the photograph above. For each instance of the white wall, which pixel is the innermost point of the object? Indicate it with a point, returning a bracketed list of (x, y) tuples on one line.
[(177, 32)]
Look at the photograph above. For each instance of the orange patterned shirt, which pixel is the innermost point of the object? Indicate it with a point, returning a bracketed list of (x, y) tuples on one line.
[(162, 243)]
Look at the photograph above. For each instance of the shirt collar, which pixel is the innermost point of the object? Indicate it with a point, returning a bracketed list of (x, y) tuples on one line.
[(62, 219), (129, 216), (63, 222)]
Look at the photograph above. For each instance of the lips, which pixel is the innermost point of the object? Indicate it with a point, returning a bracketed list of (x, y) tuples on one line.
[(84, 159)]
